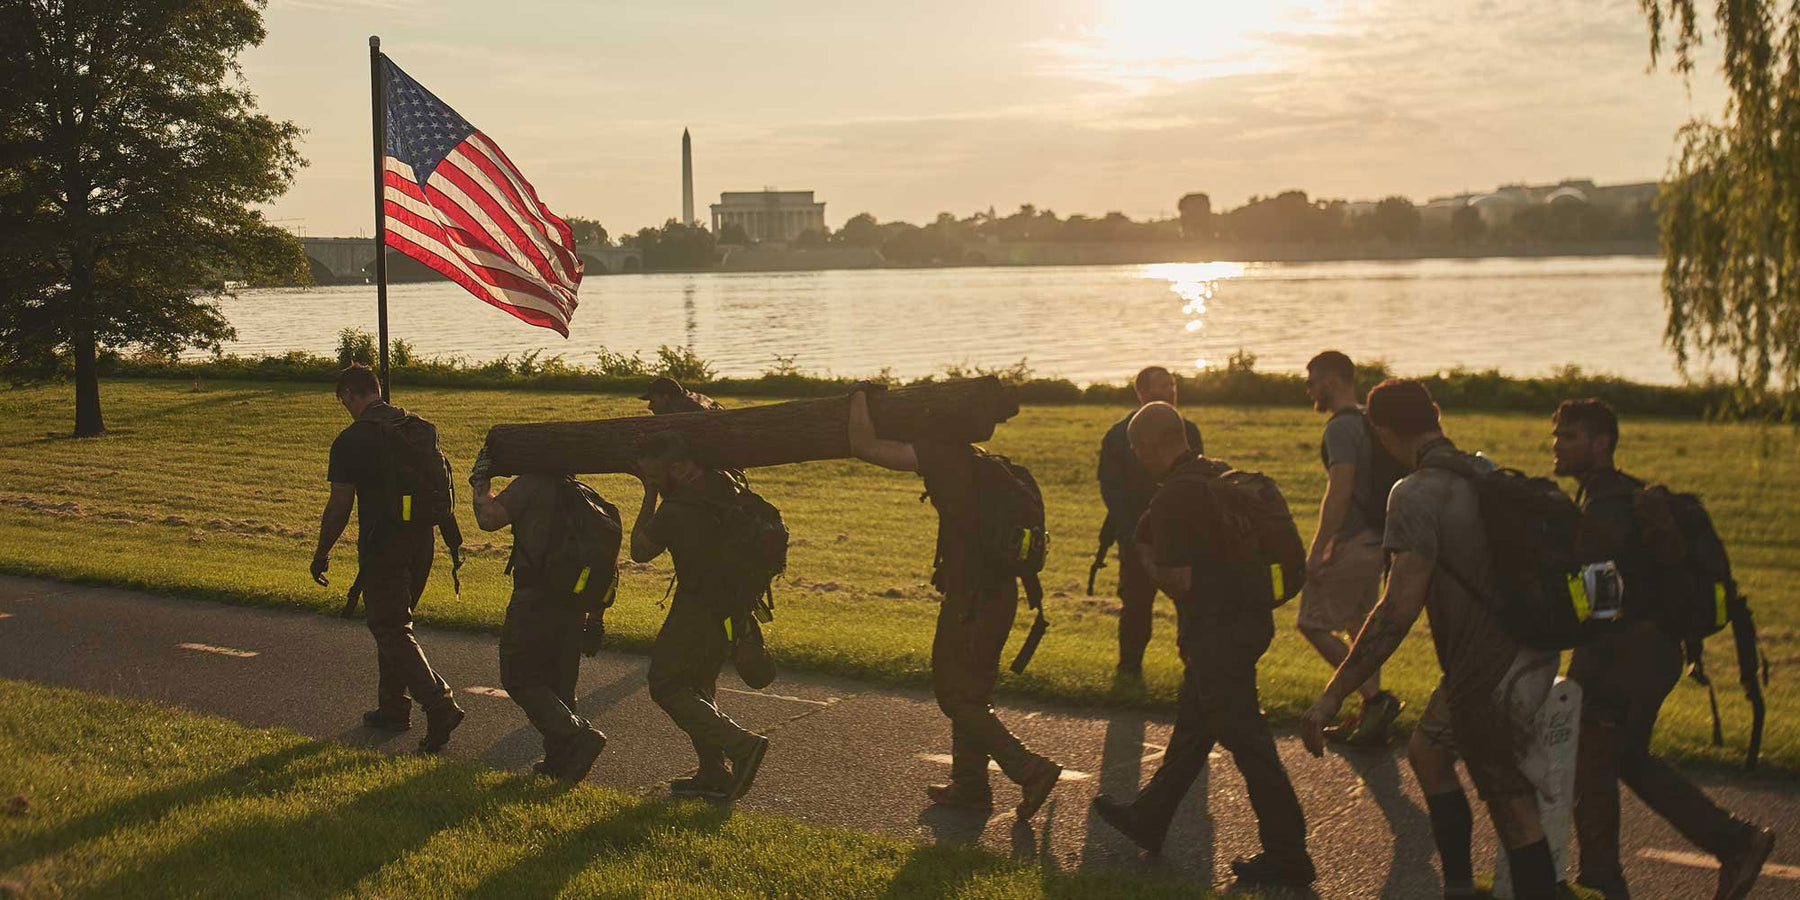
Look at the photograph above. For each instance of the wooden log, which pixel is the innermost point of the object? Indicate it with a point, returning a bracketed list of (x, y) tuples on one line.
[(964, 411)]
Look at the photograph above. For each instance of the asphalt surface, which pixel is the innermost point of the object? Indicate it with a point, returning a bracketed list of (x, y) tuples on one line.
[(844, 753)]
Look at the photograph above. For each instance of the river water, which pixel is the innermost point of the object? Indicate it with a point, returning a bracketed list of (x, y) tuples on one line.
[(1085, 323)]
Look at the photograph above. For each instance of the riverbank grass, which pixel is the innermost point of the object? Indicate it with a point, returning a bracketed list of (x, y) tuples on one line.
[(216, 494), (113, 798)]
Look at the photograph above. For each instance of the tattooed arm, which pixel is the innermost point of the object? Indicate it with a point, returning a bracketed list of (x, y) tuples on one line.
[(1381, 635)]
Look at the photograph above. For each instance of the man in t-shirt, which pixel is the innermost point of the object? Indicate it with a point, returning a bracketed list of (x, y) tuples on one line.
[(393, 563), (693, 643), (1126, 489), (540, 643), (1485, 704), (1223, 628), (666, 396), (1626, 670), (1343, 570), (974, 619)]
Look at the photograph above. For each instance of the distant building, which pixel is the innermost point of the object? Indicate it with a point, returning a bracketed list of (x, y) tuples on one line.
[(1499, 205), (769, 215)]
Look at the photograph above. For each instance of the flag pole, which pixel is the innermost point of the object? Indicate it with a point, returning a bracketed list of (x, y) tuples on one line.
[(378, 113)]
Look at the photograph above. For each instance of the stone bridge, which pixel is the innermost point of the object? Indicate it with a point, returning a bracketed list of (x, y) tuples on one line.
[(347, 260)]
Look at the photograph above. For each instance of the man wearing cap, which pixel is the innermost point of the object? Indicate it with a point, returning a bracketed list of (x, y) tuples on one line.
[(693, 644), (666, 396)]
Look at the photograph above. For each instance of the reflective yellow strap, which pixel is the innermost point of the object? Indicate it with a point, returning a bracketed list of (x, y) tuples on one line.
[(406, 507), (728, 634), (1579, 595), (581, 580), (1276, 580), (1719, 614), (1024, 544)]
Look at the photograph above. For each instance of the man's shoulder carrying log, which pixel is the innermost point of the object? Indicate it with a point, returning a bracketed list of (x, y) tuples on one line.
[(961, 411)]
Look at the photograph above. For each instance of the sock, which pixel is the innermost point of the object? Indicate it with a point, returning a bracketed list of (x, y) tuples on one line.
[(1533, 871), (1452, 825)]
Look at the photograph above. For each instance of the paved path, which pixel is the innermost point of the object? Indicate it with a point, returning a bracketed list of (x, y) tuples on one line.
[(845, 753)]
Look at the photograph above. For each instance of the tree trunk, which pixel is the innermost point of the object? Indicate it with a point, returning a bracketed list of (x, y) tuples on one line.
[(964, 411), (87, 387)]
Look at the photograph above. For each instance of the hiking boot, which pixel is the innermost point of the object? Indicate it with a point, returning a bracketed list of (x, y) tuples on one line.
[(1266, 869), (744, 764), (708, 785), (1378, 715), (1036, 788), (438, 725), (583, 749), (383, 720), (1123, 818), (957, 796), (1739, 868)]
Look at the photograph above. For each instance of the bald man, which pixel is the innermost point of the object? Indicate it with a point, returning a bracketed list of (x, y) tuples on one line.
[(1221, 635)]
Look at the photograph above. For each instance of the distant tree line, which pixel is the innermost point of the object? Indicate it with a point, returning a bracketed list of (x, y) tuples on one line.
[(1290, 217)]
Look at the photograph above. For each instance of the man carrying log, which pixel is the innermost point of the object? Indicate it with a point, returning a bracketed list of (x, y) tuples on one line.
[(693, 643), (973, 621)]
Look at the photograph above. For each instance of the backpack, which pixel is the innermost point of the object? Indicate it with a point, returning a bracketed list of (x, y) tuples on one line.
[(1696, 597), (1532, 530), (1250, 507), (751, 551), (1010, 536), (582, 559), (417, 491), (1384, 472)]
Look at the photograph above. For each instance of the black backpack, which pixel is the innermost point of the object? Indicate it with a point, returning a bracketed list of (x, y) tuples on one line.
[(1011, 539), (417, 487), (582, 559), (1250, 509), (1696, 596), (1533, 532), (1384, 472), (751, 551)]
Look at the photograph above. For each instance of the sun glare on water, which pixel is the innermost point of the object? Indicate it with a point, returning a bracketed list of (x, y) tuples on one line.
[(1195, 284)]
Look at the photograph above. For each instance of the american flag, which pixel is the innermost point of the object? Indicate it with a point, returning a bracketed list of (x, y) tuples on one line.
[(453, 201)]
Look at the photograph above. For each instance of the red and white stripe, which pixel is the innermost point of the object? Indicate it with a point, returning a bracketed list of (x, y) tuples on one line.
[(478, 222)]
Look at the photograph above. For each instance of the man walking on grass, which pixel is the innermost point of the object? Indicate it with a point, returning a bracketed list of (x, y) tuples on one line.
[(1223, 629), (693, 644), (1626, 671), (1344, 567), (393, 560), (541, 640), (1487, 700), (974, 619), (1126, 489)]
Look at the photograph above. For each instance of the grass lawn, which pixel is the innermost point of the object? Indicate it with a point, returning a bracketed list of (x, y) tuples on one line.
[(102, 797), (217, 494)]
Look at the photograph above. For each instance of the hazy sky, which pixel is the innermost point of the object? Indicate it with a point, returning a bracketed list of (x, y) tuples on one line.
[(908, 109)]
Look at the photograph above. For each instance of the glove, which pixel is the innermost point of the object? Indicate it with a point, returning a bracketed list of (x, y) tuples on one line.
[(319, 565), (870, 387), (592, 635), (478, 473)]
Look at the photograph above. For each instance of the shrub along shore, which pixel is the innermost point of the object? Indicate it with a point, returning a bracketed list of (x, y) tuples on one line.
[(1237, 384)]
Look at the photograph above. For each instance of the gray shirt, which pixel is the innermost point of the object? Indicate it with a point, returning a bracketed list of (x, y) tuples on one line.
[(1437, 514), (1346, 440)]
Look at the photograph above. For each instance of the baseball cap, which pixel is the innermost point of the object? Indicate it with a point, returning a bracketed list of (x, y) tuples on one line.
[(663, 385)]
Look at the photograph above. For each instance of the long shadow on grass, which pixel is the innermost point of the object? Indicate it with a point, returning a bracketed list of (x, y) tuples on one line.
[(251, 852), (269, 773), (632, 828)]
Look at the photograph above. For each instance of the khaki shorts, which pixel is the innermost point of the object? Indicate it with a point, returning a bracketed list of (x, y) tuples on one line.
[(1504, 722), (1340, 597)]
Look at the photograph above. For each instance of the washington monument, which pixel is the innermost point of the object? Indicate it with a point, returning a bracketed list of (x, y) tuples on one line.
[(687, 179)]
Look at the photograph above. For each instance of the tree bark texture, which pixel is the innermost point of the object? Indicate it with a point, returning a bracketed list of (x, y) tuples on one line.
[(87, 387), (962, 411)]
